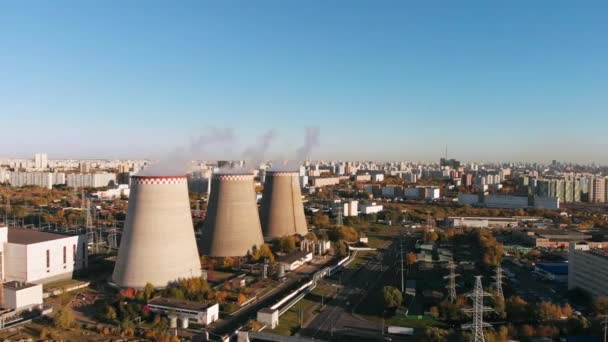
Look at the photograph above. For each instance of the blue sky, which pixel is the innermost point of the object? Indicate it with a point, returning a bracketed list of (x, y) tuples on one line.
[(384, 80)]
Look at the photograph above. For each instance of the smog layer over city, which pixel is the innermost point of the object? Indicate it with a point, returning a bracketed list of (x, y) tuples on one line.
[(304, 171)]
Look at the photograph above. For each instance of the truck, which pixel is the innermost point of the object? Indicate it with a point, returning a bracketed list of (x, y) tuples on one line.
[(400, 330)]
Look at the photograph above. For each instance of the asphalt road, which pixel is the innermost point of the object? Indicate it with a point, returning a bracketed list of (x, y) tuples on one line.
[(337, 320)]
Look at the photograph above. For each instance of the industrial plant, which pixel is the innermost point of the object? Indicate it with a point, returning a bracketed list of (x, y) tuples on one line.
[(282, 212), (158, 243), (232, 227)]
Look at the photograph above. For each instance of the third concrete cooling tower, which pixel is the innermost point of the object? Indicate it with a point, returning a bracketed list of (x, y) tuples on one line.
[(158, 244), (232, 226), (282, 210)]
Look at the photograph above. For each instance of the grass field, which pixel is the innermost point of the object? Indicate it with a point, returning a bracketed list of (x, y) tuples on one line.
[(289, 322), (360, 258)]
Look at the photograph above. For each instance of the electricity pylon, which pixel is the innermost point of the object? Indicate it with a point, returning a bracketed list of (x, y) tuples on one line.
[(477, 311), (498, 281), (451, 286)]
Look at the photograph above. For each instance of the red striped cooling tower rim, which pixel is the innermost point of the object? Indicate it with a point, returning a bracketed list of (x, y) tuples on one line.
[(283, 173), (234, 177), (159, 179)]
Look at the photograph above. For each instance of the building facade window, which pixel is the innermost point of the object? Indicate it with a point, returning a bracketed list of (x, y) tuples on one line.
[(74, 253), (48, 258), (65, 255)]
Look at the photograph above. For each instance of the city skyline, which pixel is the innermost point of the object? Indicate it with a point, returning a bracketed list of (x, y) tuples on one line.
[(389, 81)]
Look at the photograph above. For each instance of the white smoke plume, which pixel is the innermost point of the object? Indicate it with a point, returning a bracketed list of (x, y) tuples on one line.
[(257, 152), (311, 140), (177, 162)]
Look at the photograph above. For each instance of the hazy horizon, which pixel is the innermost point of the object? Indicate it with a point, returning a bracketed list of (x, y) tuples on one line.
[(516, 81)]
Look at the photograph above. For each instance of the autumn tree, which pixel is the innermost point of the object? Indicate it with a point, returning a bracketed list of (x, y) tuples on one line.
[(600, 305), (148, 291), (411, 258), (517, 309), (392, 297), (266, 252), (241, 298), (341, 248), (434, 334), (311, 236), (109, 313), (64, 318), (288, 244), (320, 220)]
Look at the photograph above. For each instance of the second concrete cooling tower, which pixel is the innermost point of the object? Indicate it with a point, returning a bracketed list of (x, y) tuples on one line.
[(158, 244), (232, 226), (282, 210)]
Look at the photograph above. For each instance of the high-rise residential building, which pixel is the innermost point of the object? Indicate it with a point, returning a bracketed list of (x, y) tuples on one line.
[(41, 161), (42, 179), (85, 167), (597, 190), (90, 180)]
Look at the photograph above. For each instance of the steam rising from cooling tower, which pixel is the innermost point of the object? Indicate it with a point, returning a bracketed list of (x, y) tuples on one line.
[(282, 211), (232, 226), (158, 244)]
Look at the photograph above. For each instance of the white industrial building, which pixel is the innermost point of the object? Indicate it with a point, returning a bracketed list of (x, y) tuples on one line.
[(31, 256), (19, 295), (372, 208), (201, 313)]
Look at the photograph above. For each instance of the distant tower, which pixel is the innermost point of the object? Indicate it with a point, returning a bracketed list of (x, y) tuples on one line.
[(158, 244), (477, 311), (498, 281), (451, 282), (89, 226), (282, 212), (232, 226)]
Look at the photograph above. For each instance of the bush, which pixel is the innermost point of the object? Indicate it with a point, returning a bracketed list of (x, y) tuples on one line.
[(64, 318), (392, 297)]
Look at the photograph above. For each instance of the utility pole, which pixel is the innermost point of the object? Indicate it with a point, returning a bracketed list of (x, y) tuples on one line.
[(477, 311), (605, 324), (451, 282), (402, 279)]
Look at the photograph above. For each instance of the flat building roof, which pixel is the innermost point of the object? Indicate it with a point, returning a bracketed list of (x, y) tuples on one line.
[(22, 236)]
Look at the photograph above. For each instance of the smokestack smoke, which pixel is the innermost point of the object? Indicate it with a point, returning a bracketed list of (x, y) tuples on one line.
[(311, 140), (177, 162), (256, 152)]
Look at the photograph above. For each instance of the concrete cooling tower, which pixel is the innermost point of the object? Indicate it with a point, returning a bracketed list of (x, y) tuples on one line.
[(158, 244), (232, 226), (282, 211)]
